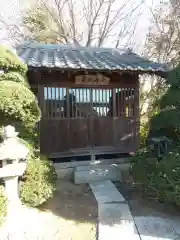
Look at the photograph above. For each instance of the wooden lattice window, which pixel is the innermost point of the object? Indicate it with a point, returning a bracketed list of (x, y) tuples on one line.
[(88, 102)]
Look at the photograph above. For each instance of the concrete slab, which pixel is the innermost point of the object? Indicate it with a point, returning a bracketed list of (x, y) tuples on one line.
[(157, 228), (97, 174), (106, 192), (116, 222)]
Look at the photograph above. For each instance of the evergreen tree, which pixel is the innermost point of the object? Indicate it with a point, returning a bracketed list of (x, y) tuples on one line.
[(167, 120)]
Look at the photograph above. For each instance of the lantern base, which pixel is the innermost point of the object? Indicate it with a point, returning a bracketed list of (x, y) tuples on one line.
[(12, 192)]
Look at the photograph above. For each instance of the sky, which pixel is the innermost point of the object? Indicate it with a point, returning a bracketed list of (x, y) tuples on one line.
[(11, 11)]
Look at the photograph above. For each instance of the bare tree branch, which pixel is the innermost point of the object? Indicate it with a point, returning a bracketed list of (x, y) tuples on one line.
[(85, 22), (91, 21), (162, 44), (58, 20)]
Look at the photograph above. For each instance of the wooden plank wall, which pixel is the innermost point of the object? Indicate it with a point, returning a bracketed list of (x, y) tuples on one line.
[(66, 125)]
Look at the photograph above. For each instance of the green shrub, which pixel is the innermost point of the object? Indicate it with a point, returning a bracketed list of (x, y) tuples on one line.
[(158, 179), (39, 181), (31, 136), (19, 107), (3, 205)]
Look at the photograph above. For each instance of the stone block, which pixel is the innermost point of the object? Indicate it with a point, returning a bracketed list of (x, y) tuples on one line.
[(86, 174), (65, 173)]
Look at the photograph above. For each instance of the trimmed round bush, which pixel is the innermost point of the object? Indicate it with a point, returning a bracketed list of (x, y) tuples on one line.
[(10, 61), (3, 204), (14, 77), (17, 103), (39, 180)]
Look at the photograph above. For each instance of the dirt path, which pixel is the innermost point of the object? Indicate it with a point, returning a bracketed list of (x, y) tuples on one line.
[(76, 209), (70, 215)]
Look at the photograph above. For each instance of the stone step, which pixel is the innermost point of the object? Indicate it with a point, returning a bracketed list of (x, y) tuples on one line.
[(116, 222), (86, 174), (100, 190), (114, 217), (73, 164)]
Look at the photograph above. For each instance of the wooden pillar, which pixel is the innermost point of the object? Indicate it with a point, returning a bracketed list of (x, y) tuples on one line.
[(137, 114), (41, 99), (91, 123), (68, 116), (114, 117), (114, 103)]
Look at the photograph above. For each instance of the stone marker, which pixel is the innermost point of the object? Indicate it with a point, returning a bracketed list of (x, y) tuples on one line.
[(86, 174)]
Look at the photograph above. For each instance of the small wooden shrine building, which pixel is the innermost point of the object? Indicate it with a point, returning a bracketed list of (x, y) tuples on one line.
[(89, 97)]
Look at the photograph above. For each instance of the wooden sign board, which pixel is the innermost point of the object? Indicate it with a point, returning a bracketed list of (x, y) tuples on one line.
[(98, 79)]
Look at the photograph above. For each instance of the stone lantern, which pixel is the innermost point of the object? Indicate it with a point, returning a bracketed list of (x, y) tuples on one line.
[(12, 151)]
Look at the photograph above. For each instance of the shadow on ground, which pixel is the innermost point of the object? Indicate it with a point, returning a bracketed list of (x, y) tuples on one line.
[(73, 202), (154, 219), (141, 206), (77, 203)]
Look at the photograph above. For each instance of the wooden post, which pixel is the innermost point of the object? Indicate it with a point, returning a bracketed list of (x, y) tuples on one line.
[(41, 99), (68, 117), (114, 116), (114, 103), (91, 122), (137, 114), (41, 105)]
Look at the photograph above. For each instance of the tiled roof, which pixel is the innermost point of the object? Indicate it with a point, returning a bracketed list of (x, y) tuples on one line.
[(85, 58)]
